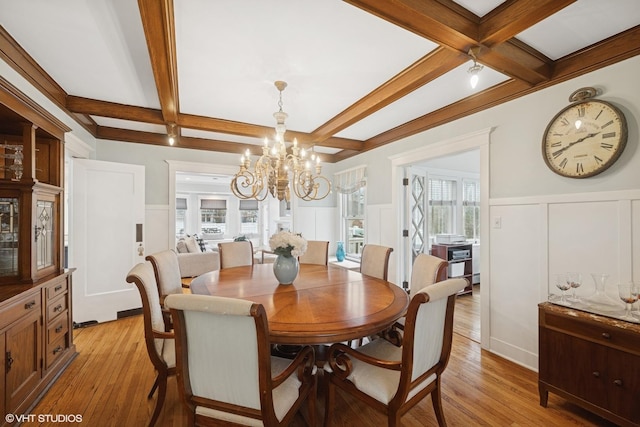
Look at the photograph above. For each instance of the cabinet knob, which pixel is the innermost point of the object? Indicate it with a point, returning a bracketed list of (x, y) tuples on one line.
[(57, 350), (29, 305), (618, 383), (596, 374), (57, 288), (57, 308), (59, 329), (606, 335)]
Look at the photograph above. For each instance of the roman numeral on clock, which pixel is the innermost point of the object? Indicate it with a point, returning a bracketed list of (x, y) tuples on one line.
[(579, 168), (609, 135), (606, 146), (563, 163), (597, 159)]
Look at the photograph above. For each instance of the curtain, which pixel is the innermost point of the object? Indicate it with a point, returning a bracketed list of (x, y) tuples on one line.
[(351, 180)]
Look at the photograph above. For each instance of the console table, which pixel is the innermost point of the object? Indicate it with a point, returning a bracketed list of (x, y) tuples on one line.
[(590, 360)]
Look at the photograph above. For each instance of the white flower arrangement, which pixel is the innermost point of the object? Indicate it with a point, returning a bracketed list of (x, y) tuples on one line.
[(288, 244)]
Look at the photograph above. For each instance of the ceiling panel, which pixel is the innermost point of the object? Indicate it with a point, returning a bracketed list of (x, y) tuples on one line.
[(329, 53), (581, 24), (94, 49)]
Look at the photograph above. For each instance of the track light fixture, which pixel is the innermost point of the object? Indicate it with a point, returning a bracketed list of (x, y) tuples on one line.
[(475, 69)]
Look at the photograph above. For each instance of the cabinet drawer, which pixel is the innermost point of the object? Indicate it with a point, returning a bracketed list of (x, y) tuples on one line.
[(58, 328), (23, 306), (56, 307), (595, 332), (55, 350), (56, 289)]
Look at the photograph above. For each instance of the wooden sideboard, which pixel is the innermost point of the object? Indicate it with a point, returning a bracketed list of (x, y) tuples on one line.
[(36, 340), (590, 360)]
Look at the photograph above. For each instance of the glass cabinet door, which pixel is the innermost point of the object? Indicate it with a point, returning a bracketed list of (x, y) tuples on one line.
[(9, 220), (45, 239)]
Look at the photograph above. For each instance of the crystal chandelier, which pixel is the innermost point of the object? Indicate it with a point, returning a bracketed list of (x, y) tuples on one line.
[(281, 170)]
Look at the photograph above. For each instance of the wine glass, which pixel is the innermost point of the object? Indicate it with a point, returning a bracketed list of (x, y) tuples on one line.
[(564, 286), (574, 280), (628, 293)]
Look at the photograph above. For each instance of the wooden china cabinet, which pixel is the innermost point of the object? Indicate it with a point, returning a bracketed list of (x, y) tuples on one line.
[(36, 338)]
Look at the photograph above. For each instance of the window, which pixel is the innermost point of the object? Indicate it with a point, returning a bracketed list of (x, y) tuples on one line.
[(181, 217), (249, 217), (353, 217), (351, 185), (471, 209), (213, 216), (441, 207)]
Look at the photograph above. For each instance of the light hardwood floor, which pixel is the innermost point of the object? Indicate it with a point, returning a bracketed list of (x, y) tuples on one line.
[(109, 380)]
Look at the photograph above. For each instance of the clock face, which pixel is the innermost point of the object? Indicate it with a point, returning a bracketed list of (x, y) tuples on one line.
[(584, 139)]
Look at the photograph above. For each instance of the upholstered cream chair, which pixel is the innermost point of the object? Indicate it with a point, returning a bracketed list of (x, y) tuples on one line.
[(160, 344), (427, 270), (225, 370), (235, 254), (374, 261), (317, 253), (167, 272), (393, 379)]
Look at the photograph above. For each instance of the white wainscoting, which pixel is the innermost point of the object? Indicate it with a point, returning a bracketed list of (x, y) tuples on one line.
[(156, 231), (540, 237)]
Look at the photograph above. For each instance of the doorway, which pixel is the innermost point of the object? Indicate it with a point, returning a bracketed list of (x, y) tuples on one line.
[(448, 149)]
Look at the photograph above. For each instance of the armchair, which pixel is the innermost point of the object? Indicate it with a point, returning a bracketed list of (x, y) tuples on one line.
[(393, 379), (225, 372), (160, 344)]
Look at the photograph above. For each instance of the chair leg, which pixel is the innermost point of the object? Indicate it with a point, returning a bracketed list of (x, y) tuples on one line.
[(436, 399), (161, 381), (153, 387)]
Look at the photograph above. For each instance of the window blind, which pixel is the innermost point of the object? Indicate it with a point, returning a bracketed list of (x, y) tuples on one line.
[(213, 204), (248, 205), (181, 204)]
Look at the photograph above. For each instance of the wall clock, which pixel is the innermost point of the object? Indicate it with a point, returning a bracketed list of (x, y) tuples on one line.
[(585, 138)]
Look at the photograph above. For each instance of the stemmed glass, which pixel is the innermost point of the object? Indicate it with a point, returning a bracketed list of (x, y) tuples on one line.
[(564, 286), (574, 280), (628, 293)]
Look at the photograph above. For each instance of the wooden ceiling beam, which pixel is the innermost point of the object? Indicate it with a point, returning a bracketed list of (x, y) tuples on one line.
[(513, 17), (150, 138), (602, 54), (211, 124), (449, 26), (94, 107), (158, 24), (426, 69)]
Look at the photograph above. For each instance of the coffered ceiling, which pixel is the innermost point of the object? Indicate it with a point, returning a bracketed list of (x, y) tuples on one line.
[(360, 73)]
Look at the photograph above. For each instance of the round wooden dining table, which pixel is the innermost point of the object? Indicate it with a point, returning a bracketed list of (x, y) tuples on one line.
[(325, 304)]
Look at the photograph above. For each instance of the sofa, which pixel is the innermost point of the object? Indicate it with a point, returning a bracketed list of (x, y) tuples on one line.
[(192, 260)]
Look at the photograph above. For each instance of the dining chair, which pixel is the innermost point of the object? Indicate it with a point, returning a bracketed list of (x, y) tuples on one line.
[(167, 273), (427, 270), (393, 379), (374, 261), (317, 253), (160, 344), (224, 368), (235, 254)]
